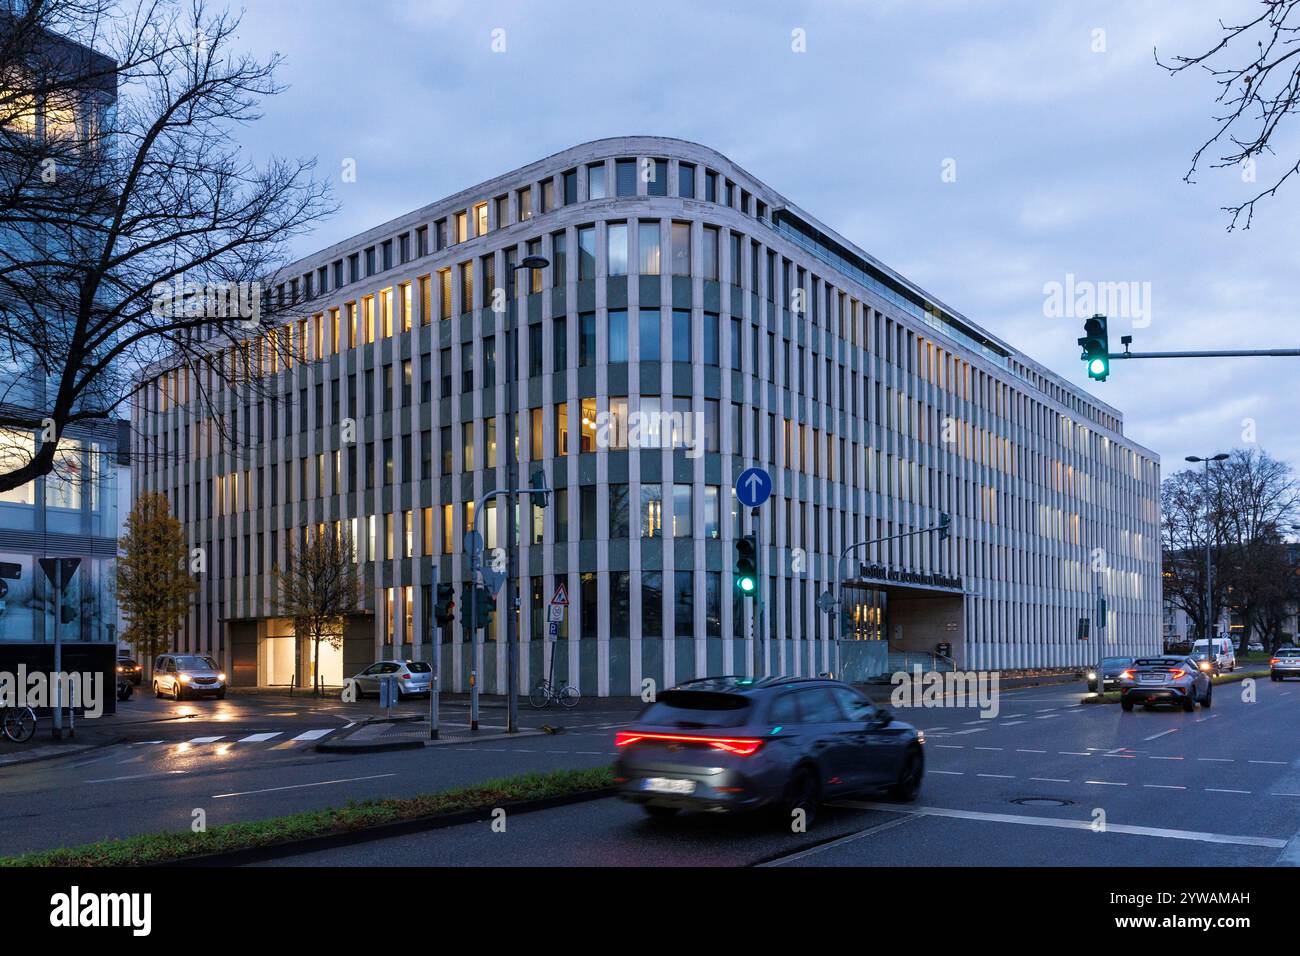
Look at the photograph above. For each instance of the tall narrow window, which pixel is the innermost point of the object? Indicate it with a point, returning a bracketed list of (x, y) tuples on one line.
[(686, 180), (648, 334), (616, 234), (587, 252), (587, 339), (709, 252), (617, 335), (596, 181), (625, 177), (681, 248), (648, 240)]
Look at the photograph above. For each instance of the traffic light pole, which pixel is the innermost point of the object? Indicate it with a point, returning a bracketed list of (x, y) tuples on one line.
[(512, 636)]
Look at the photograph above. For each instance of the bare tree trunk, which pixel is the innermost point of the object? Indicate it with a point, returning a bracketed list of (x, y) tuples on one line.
[(315, 667)]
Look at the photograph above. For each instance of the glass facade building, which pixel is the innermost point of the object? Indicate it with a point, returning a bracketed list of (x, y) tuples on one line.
[(692, 322)]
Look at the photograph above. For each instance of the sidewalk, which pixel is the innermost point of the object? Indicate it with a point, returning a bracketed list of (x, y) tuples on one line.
[(90, 735)]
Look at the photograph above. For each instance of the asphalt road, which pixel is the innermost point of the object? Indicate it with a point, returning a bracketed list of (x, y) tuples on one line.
[(1210, 788), (248, 758)]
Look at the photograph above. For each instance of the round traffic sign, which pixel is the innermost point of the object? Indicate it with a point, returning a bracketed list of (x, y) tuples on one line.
[(753, 487)]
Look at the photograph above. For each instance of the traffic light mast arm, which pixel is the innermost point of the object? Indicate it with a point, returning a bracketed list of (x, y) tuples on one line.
[(1217, 353), (839, 566)]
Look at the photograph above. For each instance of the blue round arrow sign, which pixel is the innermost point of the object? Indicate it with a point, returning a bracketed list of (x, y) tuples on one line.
[(753, 487)]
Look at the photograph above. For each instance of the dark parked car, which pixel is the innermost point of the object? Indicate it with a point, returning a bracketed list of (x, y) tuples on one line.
[(129, 669), (1165, 680), (1111, 668), (782, 743)]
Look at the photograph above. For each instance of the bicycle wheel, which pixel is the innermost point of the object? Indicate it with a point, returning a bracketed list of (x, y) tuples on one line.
[(569, 696), (19, 724), (541, 695)]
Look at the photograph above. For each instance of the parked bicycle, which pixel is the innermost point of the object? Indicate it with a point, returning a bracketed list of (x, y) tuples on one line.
[(546, 693), (18, 723)]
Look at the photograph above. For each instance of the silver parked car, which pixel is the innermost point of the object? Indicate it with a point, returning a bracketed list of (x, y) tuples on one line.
[(1165, 680), (781, 743), (188, 675), (413, 678), (1285, 663)]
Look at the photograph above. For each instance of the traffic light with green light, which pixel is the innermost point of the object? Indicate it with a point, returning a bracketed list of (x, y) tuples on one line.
[(1096, 348), (444, 608), (746, 569)]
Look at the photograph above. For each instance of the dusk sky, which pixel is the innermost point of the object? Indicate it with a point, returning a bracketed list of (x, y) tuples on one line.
[(1068, 160)]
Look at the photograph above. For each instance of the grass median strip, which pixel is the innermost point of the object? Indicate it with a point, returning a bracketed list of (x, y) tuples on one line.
[(154, 848)]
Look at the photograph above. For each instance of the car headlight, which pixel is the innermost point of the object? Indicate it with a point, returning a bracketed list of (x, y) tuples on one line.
[(185, 678), (221, 676), (1092, 675)]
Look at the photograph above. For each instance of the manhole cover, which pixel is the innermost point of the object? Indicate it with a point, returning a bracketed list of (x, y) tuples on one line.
[(1042, 802)]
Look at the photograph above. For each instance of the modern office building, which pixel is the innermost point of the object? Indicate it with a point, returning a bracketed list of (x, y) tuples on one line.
[(691, 322), (72, 512)]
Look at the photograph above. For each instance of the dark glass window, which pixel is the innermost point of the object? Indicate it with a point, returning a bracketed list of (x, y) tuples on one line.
[(570, 187), (625, 177), (657, 184), (686, 180)]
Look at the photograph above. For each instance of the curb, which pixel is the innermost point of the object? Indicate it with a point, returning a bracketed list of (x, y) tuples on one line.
[(330, 841), (341, 746), (69, 752), (1233, 677)]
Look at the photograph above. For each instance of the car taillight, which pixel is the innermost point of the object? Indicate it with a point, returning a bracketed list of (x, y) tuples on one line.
[(1177, 672), (741, 746), (1274, 661), (1126, 675)]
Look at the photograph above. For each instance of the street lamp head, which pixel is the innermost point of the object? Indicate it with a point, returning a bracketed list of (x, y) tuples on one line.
[(534, 262), (1192, 458), (1221, 456)]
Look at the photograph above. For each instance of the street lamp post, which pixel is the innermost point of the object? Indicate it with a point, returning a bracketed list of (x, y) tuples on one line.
[(512, 467), (1209, 537)]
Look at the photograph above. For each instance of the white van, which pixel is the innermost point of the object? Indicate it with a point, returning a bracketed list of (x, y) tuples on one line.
[(1225, 656)]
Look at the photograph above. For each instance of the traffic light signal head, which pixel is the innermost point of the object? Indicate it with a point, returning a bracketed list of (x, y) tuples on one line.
[(945, 526), (746, 570), (485, 605), (444, 609), (1095, 343)]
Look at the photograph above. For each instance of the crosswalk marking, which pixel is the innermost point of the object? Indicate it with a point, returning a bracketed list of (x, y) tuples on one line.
[(258, 738), (312, 734), (205, 740)]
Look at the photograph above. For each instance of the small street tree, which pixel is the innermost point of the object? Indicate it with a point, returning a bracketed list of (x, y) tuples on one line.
[(318, 589), (154, 585)]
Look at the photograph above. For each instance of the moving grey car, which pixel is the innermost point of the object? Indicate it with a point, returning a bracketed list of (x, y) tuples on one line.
[(1165, 680), (1285, 663), (187, 675), (726, 744), (413, 677), (1111, 668)]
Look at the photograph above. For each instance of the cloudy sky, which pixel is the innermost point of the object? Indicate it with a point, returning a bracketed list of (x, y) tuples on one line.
[(1069, 147)]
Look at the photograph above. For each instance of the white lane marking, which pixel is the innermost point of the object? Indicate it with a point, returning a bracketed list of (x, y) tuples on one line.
[(840, 842), (1013, 723), (1106, 783), (313, 734), (300, 786), (988, 748), (1162, 786), (1050, 779), (1021, 750), (1166, 833), (1166, 758), (1280, 763), (950, 773), (137, 776), (206, 740), (967, 723), (1216, 759), (996, 776), (952, 746), (1047, 716), (928, 729), (258, 738), (1217, 790), (1045, 710), (1171, 730), (1074, 753), (973, 730)]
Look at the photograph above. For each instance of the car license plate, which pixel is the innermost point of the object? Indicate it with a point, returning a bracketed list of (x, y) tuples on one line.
[(668, 785), (1151, 678)]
